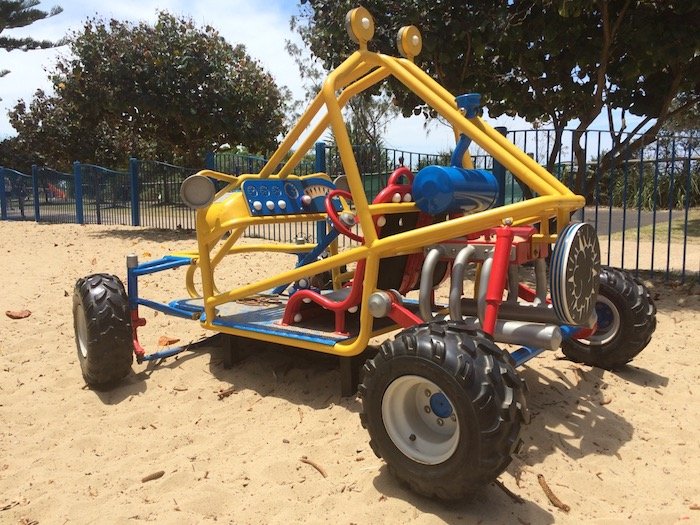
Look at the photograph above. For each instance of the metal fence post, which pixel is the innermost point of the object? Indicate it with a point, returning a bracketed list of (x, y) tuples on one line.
[(3, 195), (210, 161), (78, 178), (35, 190), (320, 162), (134, 189), (499, 171)]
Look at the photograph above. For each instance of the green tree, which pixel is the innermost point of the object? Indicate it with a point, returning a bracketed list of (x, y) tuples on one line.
[(170, 91), (545, 60), (21, 13), (367, 115)]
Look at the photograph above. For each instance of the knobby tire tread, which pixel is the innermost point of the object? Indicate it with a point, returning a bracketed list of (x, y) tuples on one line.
[(637, 322), (488, 384), (109, 338)]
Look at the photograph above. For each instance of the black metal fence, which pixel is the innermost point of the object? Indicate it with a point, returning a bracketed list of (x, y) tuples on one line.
[(158, 199), (55, 196), (15, 190), (237, 163), (645, 204)]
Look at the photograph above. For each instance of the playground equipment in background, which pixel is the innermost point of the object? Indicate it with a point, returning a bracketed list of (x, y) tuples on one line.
[(442, 402), (55, 191)]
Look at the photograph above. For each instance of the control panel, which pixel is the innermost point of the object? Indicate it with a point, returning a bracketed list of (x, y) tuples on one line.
[(286, 196)]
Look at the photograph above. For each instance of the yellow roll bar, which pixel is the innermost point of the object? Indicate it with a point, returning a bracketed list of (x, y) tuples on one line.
[(229, 215)]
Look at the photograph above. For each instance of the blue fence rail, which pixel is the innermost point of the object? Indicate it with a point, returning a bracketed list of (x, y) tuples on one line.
[(645, 204)]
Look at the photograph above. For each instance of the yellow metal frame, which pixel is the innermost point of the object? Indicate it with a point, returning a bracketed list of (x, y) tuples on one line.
[(228, 215)]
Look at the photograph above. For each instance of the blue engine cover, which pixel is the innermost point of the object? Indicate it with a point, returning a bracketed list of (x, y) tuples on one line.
[(448, 189)]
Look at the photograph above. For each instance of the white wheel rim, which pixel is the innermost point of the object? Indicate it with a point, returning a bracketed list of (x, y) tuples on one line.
[(420, 420), (607, 334), (81, 332)]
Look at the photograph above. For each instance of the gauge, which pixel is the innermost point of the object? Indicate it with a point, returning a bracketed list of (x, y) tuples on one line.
[(291, 190), (263, 191), (250, 190), (275, 191)]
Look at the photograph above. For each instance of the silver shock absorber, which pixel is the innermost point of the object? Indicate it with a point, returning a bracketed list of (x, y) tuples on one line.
[(459, 266), (484, 284), (513, 283), (425, 296), (540, 282)]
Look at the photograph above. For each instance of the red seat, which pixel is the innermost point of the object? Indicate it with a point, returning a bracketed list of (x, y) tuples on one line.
[(401, 272)]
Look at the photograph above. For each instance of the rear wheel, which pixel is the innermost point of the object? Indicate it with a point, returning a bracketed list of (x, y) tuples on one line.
[(443, 406), (626, 320), (102, 329)]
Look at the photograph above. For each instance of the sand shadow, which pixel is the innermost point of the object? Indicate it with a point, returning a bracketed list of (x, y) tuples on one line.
[(136, 383), (301, 377), (132, 385), (641, 376), (488, 505), (146, 234), (570, 416)]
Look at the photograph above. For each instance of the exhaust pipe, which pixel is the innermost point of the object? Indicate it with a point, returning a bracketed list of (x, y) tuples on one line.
[(546, 336)]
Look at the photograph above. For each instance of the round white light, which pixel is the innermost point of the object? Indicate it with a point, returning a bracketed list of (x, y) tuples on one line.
[(197, 191)]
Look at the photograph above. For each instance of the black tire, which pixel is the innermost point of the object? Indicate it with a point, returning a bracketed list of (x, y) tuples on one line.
[(626, 320), (102, 324), (475, 392)]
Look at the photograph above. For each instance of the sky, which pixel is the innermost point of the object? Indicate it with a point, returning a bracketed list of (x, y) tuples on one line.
[(262, 26)]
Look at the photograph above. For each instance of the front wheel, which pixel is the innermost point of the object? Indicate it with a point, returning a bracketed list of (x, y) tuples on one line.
[(102, 329), (443, 406), (626, 320)]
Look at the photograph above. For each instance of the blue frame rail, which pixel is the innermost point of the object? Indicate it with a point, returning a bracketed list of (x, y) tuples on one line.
[(135, 270)]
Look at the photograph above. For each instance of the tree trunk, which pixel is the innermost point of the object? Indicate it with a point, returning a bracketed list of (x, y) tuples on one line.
[(580, 154), (556, 147)]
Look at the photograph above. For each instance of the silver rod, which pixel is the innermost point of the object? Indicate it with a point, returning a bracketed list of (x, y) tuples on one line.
[(513, 283), (540, 281), (459, 266), (484, 284), (514, 312), (537, 335), (425, 296)]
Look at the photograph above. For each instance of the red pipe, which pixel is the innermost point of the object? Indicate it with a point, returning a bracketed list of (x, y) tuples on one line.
[(137, 321), (497, 279)]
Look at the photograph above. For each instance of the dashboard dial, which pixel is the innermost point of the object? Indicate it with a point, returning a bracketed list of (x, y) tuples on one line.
[(291, 190)]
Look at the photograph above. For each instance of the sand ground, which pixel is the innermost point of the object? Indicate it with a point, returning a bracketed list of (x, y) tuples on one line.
[(615, 447)]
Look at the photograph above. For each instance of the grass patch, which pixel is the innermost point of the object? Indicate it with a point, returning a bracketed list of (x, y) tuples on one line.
[(647, 233)]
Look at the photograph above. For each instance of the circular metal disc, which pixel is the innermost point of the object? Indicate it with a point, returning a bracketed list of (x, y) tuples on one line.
[(574, 274)]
